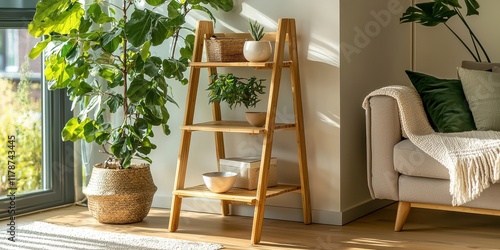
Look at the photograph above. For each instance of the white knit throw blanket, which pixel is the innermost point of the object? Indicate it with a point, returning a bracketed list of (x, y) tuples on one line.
[(472, 158)]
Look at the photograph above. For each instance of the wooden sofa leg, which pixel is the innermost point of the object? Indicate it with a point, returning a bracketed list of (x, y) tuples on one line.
[(403, 211)]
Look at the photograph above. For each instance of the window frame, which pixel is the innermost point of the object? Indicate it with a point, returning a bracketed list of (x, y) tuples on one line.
[(57, 155)]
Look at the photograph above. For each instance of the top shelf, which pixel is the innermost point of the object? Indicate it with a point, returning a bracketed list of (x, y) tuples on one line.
[(259, 65)]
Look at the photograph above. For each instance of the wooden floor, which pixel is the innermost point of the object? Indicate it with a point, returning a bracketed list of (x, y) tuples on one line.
[(425, 229)]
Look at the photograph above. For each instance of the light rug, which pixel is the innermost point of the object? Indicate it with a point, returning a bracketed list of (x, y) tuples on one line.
[(41, 235), (472, 158)]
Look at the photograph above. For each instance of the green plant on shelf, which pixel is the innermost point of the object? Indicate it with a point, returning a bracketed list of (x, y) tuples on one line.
[(235, 91), (256, 30)]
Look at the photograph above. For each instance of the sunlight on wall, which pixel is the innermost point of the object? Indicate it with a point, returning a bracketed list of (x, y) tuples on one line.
[(194, 16), (248, 11), (321, 51), (334, 120)]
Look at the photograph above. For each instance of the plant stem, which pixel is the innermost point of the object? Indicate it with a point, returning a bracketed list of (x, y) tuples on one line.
[(472, 34), (460, 39), (125, 69), (475, 47), (177, 31)]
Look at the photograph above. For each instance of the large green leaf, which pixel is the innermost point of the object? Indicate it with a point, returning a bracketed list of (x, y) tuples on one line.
[(138, 27), (114, 102), (428, 14), (137, 90), (152, 66), (56, 72), (225, 5), (472, 5), (39, 47), (173, 68), (155, 2), (89, 131), (187, 50), (153, 97), (174, 9), (71, 130), (111, 40), (160, 31), (74, 130), (58, 16), (142, 128), (97, 15)]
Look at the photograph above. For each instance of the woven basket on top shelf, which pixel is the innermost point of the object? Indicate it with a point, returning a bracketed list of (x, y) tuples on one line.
[(120, 196), (225, 49)]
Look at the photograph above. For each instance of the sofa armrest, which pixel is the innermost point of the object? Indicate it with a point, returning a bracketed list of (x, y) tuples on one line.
[(383, 131)]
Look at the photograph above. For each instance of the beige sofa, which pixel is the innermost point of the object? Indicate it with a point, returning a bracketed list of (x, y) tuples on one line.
[(399, 171)]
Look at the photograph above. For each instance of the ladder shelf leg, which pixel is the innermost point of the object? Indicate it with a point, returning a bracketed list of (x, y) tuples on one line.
[(299, 122)]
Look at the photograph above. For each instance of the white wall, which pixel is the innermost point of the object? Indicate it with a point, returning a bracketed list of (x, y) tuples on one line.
[(332, 96), (376, 50)]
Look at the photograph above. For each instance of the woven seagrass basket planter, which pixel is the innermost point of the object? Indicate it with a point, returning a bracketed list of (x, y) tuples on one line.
[(120, 196)]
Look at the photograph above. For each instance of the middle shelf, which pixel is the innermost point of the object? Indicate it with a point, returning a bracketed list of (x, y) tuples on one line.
[(235, 194), (234, 127)]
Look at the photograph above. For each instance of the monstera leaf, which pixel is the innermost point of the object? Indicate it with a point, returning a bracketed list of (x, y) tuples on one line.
[(428, 14), (440, 11), (472, 5)]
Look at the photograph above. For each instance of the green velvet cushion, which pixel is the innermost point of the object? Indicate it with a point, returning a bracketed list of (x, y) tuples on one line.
[(444, 102)]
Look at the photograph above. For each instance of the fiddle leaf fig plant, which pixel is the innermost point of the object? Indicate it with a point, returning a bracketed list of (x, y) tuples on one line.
[(235, 90), (100, 53), (440, 11)]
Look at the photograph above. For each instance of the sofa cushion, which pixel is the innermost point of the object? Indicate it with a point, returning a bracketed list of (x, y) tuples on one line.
[(444, 103), (482, 90), (410, 160)]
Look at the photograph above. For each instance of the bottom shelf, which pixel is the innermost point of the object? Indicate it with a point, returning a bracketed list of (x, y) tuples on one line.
[(235, 194)]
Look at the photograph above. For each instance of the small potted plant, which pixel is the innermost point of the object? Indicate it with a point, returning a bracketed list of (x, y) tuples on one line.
[(257, 50), (237, 91)]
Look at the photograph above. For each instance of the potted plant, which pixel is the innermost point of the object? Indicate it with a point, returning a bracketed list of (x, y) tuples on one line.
[(100, 54), (440, 11), (237, 91), (257, 50)]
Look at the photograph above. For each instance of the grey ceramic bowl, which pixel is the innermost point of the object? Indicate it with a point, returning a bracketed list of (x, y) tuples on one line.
[(219, 182)]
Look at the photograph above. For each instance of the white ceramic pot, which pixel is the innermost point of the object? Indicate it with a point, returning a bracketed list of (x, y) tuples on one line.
[(257, 51)]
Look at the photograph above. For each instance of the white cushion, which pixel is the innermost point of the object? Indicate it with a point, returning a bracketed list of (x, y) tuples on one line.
[(482, 91)]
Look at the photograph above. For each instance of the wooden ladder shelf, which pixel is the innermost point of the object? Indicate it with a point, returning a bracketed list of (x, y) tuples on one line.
[(286, 34)]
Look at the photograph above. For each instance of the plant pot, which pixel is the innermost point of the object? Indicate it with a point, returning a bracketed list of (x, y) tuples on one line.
[(256, 119), (257, 51), (120, 196)]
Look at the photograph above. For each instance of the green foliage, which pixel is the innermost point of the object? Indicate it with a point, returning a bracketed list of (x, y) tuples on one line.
[(439, 12), (104, 61), (21, 117), (256, 30), (235, 90)]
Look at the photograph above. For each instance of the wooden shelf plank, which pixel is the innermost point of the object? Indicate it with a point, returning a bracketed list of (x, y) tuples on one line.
[(234, 127), (235, 194), (258, 65)]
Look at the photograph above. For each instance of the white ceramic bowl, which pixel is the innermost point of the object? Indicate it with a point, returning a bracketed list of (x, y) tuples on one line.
[(219, 182)]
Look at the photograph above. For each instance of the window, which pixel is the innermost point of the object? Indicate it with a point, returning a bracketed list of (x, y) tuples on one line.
[(36, 167)]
